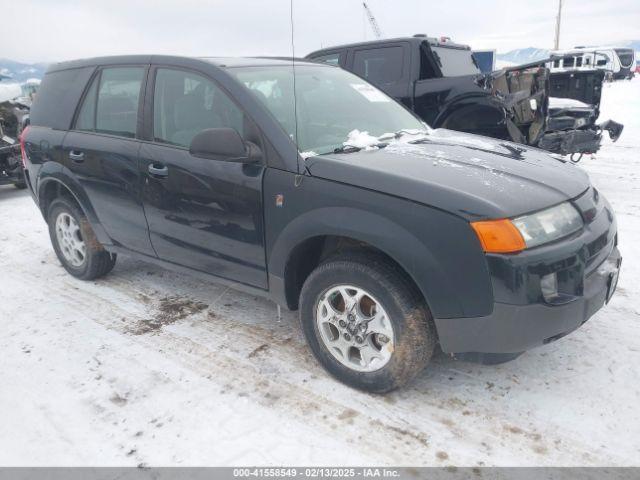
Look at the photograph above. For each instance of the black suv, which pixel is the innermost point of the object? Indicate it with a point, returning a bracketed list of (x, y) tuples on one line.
[(324, 195)]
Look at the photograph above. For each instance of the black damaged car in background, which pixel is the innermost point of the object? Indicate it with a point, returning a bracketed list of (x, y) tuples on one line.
[(387, 242), (440, 81), (13, 118)]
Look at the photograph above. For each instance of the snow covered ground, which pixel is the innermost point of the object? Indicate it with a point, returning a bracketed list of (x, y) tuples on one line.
[(9, 91), (151, 367)]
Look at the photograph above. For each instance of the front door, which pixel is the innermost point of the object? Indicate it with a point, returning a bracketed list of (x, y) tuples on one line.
[(202, 213)]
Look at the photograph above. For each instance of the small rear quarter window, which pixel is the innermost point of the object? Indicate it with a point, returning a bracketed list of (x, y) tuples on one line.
[(58, 97), (329, 58)]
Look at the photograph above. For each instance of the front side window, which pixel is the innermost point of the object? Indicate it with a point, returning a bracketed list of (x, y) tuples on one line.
[(380, 66), (329, 104), (185, 103), (111, 103)]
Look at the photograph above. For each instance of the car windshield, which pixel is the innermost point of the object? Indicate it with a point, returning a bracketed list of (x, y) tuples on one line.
[(331, 104)]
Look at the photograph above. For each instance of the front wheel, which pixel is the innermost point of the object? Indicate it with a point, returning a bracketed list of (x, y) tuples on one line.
[(366, 323)]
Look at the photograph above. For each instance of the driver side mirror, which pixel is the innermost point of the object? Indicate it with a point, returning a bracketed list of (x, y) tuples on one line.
[(224, 144)]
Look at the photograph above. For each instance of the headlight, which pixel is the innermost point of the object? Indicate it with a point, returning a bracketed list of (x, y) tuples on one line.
[(512, 236), (548, 225)]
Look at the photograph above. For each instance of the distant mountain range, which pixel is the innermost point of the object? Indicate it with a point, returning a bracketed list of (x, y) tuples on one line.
[(11, 71), (531, 54)]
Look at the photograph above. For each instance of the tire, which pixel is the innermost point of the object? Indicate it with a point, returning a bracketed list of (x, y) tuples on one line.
[(413, 334), (20, 185), (96, 261)]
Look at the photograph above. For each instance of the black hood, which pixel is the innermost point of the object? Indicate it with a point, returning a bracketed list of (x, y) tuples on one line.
[(469, 175)]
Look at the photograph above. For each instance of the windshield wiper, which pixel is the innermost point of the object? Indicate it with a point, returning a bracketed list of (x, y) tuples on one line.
[(353, 148), (419, 141), (402, 133), (346, 149)]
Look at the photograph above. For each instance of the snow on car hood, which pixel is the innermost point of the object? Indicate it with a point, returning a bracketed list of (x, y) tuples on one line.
[(469, 175)]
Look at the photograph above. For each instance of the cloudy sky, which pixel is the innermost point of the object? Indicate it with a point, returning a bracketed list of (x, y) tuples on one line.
[(47, 30)]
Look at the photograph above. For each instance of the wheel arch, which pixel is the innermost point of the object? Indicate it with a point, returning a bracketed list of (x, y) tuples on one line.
[(313, 236), (471, 114), (53, 184)]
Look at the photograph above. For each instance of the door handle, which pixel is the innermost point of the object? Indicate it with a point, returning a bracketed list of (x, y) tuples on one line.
[(158, 170), (76, 156)]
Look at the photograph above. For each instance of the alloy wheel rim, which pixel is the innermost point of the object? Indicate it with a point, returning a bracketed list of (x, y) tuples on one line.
[(355, 328), (70, 239)]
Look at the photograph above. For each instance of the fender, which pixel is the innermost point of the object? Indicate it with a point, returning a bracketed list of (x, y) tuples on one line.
[(389, 237), (55, 172)]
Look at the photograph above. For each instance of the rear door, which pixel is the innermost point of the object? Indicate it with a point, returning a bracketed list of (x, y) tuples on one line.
[(386, 66), (204, 214), (102, 151)]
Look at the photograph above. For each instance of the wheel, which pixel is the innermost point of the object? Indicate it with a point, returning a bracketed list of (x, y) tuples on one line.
[(21, 185), (366, 323), (75, 243)]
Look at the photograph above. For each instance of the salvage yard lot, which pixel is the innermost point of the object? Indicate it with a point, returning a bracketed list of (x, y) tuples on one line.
[(151, 367)]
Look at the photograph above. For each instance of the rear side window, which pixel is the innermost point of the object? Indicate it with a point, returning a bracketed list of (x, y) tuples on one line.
[(379, 65), (455, 62), (330, 58), (87, 116), (185, 103), (111, 103)]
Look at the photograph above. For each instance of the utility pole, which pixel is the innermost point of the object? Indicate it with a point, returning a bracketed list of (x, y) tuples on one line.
[(556, 44)]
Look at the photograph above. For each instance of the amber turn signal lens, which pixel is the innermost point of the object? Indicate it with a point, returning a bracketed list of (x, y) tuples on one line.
[(499, 236)]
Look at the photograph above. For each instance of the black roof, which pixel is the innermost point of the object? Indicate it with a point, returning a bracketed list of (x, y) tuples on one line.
[(145, 59), (416, 39)]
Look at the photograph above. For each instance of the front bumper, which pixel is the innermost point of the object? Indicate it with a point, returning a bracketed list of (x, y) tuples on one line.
[(586, 267), (517, 328)]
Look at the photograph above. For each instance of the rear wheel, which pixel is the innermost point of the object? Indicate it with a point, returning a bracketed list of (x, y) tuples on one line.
[(75, 243), (366, 323)]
